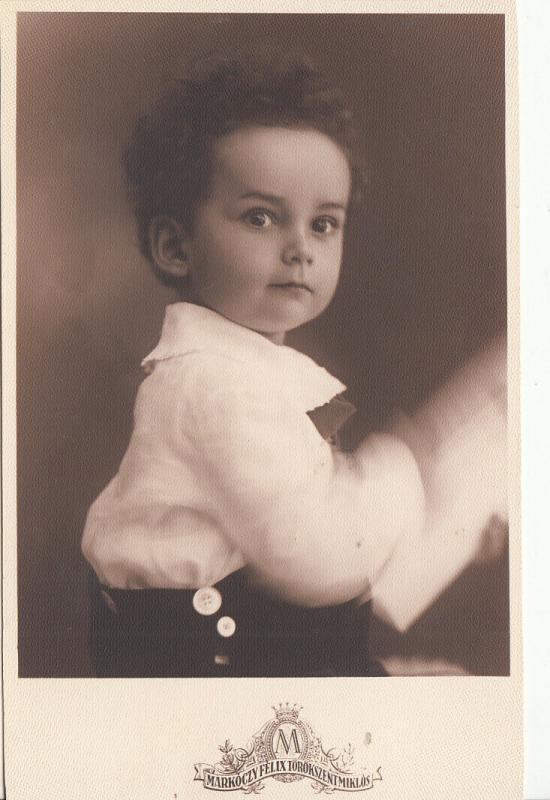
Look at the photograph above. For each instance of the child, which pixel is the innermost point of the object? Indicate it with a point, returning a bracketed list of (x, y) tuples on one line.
[(235, 539)]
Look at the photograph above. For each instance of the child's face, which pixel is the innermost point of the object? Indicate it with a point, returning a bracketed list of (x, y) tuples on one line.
[(267, 242)]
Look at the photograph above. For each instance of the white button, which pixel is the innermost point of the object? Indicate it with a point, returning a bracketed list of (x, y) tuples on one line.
[(207, 600), (226, 626)]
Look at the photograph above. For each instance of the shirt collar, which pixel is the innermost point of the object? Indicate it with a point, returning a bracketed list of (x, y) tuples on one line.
[(190, 328)]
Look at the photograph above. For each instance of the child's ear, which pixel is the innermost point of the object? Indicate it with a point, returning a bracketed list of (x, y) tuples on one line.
[(168, 244)]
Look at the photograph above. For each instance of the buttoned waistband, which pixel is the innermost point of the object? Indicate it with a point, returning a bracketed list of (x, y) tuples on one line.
[(229, 629), (233, 597)]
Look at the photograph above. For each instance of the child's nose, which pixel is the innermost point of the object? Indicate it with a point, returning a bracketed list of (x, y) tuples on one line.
[(297, 250)]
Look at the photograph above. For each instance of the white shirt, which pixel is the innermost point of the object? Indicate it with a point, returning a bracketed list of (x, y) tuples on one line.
[(226, 469)]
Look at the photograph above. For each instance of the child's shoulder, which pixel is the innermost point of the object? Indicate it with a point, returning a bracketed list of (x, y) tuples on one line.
[(198, 369), (198, 381)]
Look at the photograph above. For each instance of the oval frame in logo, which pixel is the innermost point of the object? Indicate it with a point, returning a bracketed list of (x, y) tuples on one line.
[(294, 735)]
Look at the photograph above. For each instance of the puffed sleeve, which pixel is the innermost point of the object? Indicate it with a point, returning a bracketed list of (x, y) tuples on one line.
[(314, 525)]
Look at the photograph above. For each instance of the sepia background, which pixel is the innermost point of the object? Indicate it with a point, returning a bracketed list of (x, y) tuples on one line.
[(423, 285)]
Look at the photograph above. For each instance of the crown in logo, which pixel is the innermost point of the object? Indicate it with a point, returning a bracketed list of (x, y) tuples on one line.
[(287, 712)]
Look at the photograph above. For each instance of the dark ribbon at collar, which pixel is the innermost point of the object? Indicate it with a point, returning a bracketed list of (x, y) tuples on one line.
[(328, 419)]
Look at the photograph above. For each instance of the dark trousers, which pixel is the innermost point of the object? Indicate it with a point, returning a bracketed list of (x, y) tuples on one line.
[(158, 633)]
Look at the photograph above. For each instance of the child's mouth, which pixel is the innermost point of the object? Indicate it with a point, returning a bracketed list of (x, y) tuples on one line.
[(301, 287)]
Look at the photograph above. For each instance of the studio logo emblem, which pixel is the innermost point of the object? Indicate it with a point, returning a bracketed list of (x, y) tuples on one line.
[(286, 749)]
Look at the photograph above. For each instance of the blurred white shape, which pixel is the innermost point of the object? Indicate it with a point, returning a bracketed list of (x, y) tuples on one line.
[(460, 442), (418, 665)]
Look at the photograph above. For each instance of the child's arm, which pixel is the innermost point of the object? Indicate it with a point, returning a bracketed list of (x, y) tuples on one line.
[(315, 527), (459, 440)]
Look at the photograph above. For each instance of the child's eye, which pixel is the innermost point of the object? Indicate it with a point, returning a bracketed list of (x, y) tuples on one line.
[(325, 225), (259, 218)]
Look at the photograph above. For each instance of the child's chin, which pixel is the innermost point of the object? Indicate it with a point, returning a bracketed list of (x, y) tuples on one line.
[(278, 331), (293, 315), (278, 322)]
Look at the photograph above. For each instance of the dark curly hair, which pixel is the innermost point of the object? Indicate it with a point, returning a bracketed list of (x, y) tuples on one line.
[(168, 160)]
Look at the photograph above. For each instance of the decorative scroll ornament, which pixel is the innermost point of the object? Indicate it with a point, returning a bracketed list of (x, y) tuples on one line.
[(286, 749)]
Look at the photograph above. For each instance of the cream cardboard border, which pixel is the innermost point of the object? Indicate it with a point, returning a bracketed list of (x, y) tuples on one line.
[(534, 71), (131, 739)]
